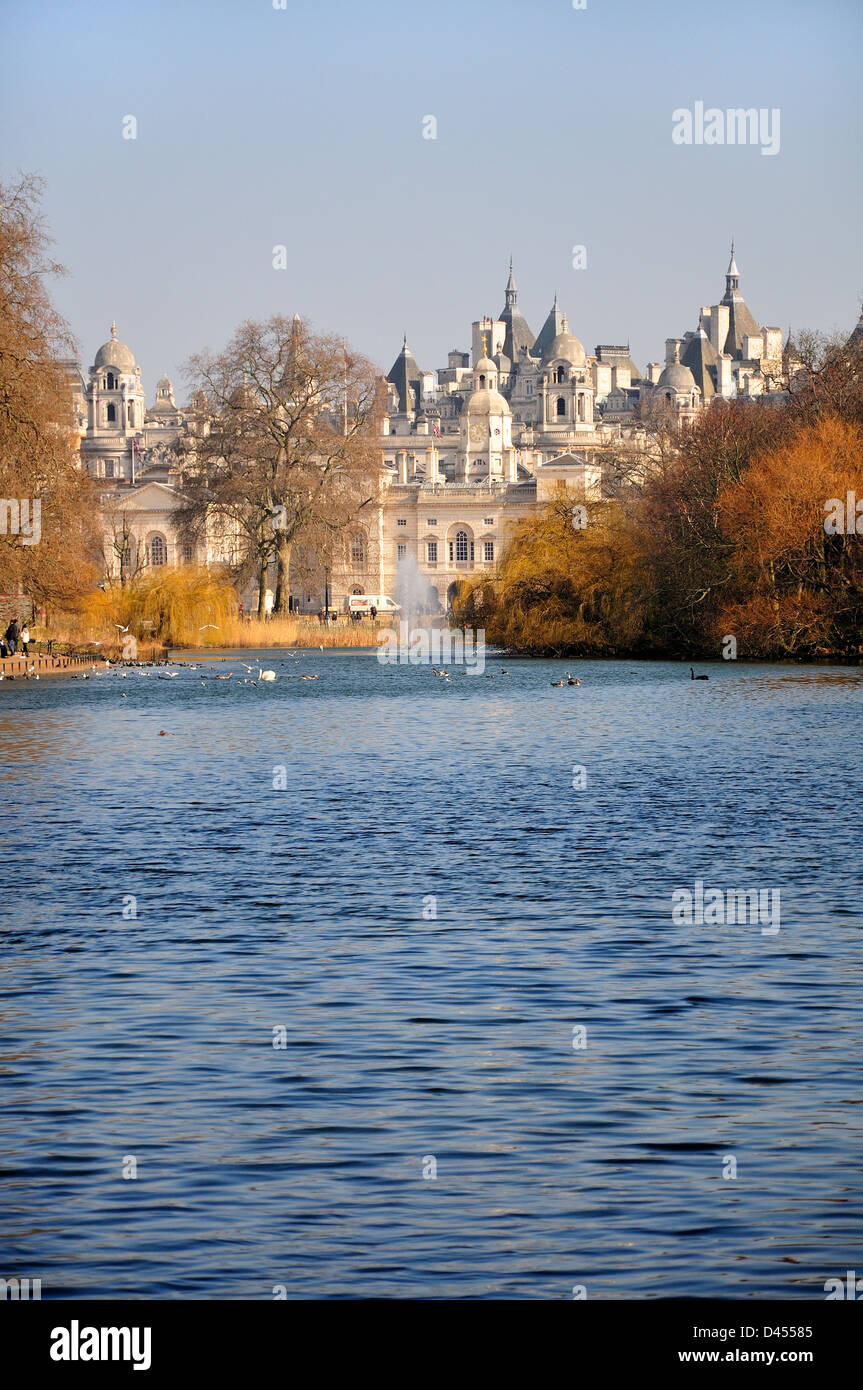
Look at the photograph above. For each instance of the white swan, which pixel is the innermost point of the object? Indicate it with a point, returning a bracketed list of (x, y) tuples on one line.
[(266, 675)]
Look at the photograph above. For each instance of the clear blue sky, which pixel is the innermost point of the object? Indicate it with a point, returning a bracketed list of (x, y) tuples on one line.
[(303, 126)]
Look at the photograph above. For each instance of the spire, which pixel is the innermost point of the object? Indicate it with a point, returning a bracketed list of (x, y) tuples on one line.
[(518, 337), (114, 330), (732, 274)]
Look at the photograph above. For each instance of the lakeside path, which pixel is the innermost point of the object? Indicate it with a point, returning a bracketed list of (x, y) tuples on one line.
[(41, 665)]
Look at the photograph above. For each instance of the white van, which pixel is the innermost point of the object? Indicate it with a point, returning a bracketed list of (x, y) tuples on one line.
[(363, 603)]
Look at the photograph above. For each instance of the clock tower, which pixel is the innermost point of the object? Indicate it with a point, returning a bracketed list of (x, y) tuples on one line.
[(485, 427)]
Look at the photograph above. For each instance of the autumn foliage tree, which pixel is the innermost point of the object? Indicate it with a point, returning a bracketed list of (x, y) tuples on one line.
[(795, 588), (562, 587), (52, 556)]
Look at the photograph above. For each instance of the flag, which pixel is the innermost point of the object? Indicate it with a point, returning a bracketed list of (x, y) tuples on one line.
[(435, 431)]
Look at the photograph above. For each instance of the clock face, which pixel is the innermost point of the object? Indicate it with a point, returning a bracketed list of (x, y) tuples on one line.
[(478, 432)]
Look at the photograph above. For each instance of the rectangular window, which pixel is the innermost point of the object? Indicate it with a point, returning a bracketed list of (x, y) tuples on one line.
[(401, 552), (401, 522), (488, 550), (109, 468), (488, 521), (432, 552), (432, 521), (187, 554)]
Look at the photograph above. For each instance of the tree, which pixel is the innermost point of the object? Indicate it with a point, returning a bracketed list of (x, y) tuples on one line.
[(283, 444), (52, 554), (680, 516), (564, 588), (796, 586)]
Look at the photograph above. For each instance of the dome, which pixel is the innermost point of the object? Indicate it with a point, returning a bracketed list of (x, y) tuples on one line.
[(487, 402), (115, 354), (677, 377), (164, 383), (566, 346)]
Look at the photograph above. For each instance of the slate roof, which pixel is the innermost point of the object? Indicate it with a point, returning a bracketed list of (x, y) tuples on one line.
[(549, 331), (404, 375), (702, 359), (518, 334)]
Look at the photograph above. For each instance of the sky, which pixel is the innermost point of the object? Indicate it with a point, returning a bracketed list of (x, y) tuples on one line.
[(303, 127)]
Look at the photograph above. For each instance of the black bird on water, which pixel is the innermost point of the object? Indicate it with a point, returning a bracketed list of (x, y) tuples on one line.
[(692, 676)]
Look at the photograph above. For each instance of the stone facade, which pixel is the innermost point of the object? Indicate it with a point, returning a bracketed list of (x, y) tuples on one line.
[(466, 450)]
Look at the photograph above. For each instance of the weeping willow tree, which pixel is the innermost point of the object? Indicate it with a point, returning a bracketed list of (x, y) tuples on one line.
[(565, 589), (179, 607)]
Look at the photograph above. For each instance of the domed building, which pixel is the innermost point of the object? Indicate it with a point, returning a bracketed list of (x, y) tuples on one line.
[(485, 428), (677, 385)]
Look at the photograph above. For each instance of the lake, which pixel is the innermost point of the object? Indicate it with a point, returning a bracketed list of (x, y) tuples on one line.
[(342, 988)]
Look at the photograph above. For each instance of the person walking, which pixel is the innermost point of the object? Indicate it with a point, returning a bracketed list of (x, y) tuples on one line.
[(25, 639), (12, 634)]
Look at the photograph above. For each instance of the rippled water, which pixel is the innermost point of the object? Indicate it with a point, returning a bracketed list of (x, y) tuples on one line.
[(411, 1036)]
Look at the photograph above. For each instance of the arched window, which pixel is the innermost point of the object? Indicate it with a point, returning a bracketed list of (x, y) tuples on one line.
[(482, 383), (112, 413), (131, 413), (560, 376), (358, 549), (109, 381), (561, 405), (158, 551)]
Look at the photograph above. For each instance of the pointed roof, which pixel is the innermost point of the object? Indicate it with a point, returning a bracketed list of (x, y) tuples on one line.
[(549, 331), (518, 334), (740, 320), (404, 375), (702, 359), (856, 339)]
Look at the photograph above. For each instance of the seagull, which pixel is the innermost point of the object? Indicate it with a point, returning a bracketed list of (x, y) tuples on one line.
[(225, 678), (117, 625), (307, 678), (204, 628)]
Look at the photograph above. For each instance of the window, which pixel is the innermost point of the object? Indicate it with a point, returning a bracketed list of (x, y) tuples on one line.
[(560, 376), (188, 554), (488, 550), (112, 413), (432, 552), (358, 549), (109, 468), (488, 521), (158, 551), (432, 521), (109, 381), (401, 552), (561, 406), (461, 546), (401, 521)]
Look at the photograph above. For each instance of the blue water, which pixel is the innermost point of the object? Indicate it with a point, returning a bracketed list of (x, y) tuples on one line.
[(413, 1037)]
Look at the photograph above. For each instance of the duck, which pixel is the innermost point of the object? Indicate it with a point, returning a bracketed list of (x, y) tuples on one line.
[(572, 681), (692, 676), (560, 682)]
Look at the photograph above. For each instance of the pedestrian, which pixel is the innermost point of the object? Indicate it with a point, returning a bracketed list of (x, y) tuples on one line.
[(25, 639), (2, 648), (12, 634), (373, 612)]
